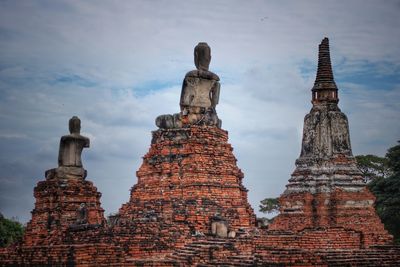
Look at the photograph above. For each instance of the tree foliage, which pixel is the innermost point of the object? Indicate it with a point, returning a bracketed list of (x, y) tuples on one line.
[(373, 167), (387, 192), (269, 205), (10, 231), (393, 157)]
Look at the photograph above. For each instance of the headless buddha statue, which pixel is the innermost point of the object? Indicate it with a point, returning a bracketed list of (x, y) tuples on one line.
[(200, 89), (199, 95), (71, 145), (69, 155)]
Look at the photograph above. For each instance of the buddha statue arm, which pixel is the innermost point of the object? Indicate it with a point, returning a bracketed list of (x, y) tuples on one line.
[(87, 142), (61, 151), (182, 100), (214, 94)]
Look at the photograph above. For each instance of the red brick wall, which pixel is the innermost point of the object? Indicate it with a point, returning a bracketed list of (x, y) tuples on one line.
[(57, 202), (351, 210), (188, 176)]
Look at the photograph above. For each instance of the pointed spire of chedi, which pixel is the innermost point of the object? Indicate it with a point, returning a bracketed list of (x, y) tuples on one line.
[(325, 89), (326, 128), (324, 71)]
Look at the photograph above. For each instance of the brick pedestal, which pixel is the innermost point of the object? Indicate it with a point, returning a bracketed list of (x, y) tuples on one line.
[(58, 206), (188, 177)]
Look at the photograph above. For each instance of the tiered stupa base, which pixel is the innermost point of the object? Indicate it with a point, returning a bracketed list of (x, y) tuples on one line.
[(188, 179), (62, 204), (330, 194)]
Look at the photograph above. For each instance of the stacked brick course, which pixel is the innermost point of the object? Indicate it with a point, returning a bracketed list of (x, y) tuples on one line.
[(188, 177), (58, 202)]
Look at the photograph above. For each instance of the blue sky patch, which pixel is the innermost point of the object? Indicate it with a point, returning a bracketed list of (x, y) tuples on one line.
[(74, 79), (374, 76), (152, 86), (308, 69)]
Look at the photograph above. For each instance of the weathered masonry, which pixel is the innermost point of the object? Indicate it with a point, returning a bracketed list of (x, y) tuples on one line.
[(190, 208)]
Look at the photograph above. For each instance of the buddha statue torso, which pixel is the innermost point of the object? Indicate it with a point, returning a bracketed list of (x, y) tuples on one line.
[(69, 154), (71, 145), (200, 88)]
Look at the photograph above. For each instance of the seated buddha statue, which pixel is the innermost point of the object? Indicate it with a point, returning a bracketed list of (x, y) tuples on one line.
[(199, 95), (70, 151)]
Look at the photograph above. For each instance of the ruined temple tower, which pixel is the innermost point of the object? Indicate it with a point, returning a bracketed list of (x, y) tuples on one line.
[(326, 188), (189, 179), (65, 200)]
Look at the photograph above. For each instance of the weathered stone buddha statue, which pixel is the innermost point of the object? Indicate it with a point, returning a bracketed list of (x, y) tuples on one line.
[(69, 155), (71, 145), (200, 89), (199, 95)]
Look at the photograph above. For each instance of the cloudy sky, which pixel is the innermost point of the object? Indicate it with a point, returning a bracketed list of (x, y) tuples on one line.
[(119, 64)]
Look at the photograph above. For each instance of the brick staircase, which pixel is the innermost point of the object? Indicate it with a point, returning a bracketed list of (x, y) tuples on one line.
[(374, 256), (207, 251), (212, 252), (273, 256)]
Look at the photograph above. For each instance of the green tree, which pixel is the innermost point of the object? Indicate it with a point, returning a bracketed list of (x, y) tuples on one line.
[(373, 167), (10, 231), (393, 157), (269, 205), (387, 192)]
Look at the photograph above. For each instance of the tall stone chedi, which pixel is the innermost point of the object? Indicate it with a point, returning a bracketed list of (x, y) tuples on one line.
[(189, 183), (65, 199), (326, 189)]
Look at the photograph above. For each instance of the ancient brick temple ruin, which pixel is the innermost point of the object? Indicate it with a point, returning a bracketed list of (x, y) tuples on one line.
[(326, 188), (190, 208)]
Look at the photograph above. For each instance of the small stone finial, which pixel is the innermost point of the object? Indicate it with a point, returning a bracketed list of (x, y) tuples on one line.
[(202, 56), (324, 89)]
